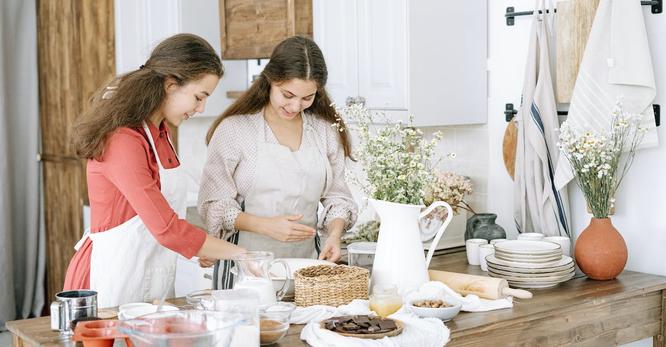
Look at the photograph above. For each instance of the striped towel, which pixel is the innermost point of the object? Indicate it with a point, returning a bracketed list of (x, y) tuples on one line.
[(616, 65), (538, 205)]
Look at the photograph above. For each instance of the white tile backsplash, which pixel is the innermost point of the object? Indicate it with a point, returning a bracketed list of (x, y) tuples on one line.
[(192, 152), (469, 143)]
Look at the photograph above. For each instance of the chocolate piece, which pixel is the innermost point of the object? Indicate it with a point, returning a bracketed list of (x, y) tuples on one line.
[(386, 324), (362, 324)]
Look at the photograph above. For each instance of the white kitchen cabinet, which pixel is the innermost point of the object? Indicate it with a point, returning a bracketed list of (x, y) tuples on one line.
[(141, 24), (365, 46), (424, 57)]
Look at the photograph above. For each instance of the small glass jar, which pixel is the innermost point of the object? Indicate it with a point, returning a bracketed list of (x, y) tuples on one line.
[(385, 300), (361, 254)]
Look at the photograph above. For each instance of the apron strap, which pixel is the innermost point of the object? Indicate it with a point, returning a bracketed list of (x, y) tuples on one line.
[(317, 242), (222, 276), (154, 148)]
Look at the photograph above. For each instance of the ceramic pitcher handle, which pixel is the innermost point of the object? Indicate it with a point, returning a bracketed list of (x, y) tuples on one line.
[(440, 231), (287, 278)]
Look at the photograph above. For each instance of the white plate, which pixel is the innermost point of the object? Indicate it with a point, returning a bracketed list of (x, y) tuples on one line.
[(531, 271), (539, 255), (530, 275), (559, 278), (534, 285), (526, 259), (527, 247), (491, 259)]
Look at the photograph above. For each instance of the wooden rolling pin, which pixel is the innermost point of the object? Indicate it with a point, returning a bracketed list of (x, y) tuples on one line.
[(485, 287)]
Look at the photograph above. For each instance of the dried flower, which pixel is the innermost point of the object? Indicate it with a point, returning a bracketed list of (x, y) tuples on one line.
[(452, 189), (597, 158), (395, 158)]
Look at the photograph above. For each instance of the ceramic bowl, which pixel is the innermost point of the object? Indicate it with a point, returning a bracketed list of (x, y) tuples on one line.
[(278, 276), (443, 313), (135, 311), (531, 236)]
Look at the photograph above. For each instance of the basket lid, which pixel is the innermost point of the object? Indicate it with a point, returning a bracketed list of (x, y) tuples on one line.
[(362, 247)]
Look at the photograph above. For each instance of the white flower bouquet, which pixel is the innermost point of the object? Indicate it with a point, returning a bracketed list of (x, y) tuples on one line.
[(395, 157), (597, 157)]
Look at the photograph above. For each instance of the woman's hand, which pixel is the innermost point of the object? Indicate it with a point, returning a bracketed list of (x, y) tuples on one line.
[(287, 229), (331, 249), (206, 262)]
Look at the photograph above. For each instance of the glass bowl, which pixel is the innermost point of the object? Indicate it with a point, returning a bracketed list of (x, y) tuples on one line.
[(182, 328), (274, 322)]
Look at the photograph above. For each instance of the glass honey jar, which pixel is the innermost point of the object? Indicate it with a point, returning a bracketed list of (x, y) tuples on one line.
[(385, 300)]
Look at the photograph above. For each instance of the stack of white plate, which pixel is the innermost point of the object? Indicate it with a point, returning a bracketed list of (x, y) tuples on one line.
[(530, 264)]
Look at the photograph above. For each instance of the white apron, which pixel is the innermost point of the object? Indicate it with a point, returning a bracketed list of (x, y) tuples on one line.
[(127, 264), (286, 183)]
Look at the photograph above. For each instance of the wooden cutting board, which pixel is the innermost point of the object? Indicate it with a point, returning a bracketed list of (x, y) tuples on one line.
[(573, 25), (509, 146)]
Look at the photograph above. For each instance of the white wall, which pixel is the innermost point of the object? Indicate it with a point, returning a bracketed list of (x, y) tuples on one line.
[(640, 202)]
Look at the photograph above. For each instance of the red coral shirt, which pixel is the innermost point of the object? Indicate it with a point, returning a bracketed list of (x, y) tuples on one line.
[(125, 183)]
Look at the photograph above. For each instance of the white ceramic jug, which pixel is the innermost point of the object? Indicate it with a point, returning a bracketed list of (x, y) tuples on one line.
[(399, 257)]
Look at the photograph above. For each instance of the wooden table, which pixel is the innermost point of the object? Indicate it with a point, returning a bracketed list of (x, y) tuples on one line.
[(579, 312)]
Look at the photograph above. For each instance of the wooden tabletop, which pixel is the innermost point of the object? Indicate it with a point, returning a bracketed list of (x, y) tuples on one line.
[(577, 312)]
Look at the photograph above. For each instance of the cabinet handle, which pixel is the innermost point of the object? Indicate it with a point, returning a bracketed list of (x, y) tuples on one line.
[(355, 100)]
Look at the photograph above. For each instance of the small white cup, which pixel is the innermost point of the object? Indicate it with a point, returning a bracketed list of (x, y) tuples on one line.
[(563, 241), (531, 236), (472, 249), (494, 241), (485, 250)]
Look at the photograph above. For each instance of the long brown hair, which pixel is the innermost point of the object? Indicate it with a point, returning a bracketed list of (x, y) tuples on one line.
[(295, 57), (131, 98)]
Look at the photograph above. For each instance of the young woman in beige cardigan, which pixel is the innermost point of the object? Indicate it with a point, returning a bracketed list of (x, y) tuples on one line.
[(273, 157)]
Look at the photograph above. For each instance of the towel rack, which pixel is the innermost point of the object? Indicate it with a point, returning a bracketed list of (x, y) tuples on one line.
[(511, 13), (510, 112)]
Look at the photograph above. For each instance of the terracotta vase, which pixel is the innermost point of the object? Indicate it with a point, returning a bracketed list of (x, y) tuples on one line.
[(600, 250)]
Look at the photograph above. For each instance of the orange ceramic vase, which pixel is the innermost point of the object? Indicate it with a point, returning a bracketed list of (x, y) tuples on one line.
[(600, 250)]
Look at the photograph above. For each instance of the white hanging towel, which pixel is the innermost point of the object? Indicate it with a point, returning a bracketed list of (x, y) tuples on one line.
[(538, 206), (616, 64)]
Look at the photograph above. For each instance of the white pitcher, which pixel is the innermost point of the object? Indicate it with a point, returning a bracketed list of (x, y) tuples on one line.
[(399, 257)]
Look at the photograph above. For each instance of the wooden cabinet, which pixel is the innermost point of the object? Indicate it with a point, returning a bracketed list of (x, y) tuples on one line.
[(425, 57), (252, 28), (75, 55)]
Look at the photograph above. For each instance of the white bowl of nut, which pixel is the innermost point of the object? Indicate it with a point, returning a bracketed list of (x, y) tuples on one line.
[(434, 308)]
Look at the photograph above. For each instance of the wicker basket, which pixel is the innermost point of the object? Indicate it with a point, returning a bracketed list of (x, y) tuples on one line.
[(330, 285)]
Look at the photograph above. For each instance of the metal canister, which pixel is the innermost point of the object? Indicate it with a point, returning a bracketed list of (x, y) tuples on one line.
[(71, 305)]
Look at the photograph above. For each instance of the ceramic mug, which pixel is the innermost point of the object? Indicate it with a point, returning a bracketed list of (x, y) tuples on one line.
[(484, 251), (563, 241), (472, 249), (531, 236)]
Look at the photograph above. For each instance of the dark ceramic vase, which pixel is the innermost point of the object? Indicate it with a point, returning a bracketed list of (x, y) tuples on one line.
[(482, 226)]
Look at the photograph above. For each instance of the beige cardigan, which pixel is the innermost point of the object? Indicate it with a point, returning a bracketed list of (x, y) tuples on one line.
[(231, 167)]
